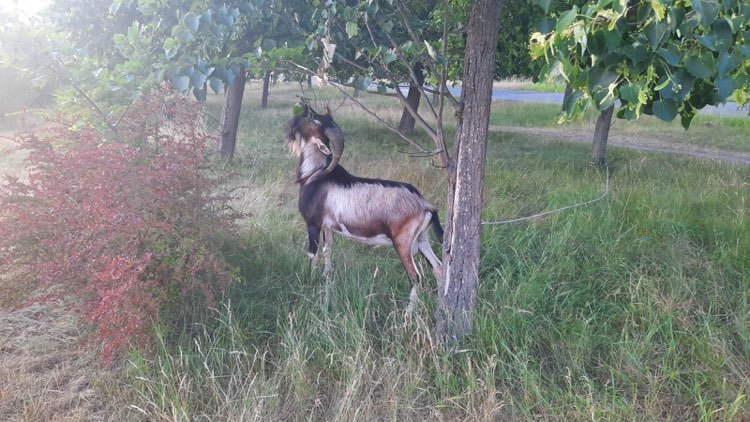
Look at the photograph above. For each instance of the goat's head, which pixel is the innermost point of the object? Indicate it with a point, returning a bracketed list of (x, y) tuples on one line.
[(312, 133)]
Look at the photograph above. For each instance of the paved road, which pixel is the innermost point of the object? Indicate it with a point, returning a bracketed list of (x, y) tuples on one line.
[(728, 109)]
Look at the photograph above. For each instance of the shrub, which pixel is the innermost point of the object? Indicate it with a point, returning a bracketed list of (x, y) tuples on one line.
[(123, 225)]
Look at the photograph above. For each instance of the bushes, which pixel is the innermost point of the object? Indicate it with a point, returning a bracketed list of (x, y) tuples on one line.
[(122, 224)]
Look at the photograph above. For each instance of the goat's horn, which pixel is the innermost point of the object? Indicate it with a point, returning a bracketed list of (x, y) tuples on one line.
[(336, 138)]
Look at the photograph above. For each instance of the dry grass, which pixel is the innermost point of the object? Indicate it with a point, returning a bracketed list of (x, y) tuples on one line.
[(46, 376), (11, 159)]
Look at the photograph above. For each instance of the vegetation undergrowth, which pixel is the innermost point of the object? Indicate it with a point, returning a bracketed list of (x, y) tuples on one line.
[(635, 307), (121, 225)]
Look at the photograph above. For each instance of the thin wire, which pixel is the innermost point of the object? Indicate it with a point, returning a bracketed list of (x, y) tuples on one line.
[(541, 214)]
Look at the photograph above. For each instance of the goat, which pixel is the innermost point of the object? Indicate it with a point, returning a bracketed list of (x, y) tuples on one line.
[(371, 211)]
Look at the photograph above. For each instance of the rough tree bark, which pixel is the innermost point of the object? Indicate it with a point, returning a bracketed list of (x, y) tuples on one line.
[(601, 134), (457, 297), (266, 89), (230, 115), (406, 125)]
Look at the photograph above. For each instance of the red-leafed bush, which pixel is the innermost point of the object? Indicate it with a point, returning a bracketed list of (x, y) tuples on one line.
[(122, 224)]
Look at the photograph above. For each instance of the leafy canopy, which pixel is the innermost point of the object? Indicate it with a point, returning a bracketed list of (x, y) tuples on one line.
[(660, 57)]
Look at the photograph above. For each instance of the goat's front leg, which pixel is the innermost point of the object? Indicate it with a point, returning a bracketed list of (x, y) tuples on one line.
[(327, 244), (313, 236)]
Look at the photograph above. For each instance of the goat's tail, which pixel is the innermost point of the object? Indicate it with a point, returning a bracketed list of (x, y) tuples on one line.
[(436, 227)]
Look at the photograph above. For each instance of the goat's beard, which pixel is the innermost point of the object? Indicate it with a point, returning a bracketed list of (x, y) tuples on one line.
[(295, 147)]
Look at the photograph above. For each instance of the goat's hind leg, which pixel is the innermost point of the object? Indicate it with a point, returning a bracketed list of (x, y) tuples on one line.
[(423, 244), (406, 249)]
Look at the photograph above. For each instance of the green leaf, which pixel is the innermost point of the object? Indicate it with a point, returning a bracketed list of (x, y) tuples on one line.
[(656, 32), (352, 30), (373, 8), (182, 33), (630, 93), (724, 33), (708, 40), (268, 44), (614, 38), (619, 6), (701, 65), (361, 83), (658, 9), (430, 50), (387, 26), (200, 94), (566, 19), (665, 110), (570, 102), (170, 47), (636, 52), (192, 21), (676, 15), (215, 84), (726, 87), (603, 98), (207, 17), (180, 83), (677, 87), (728, 62), (197, 78), (115, 6), (686, 116), (389, 57), (544, 4), (408, 48), (297, 109), (707, 10), (597, 43), (671, 53)]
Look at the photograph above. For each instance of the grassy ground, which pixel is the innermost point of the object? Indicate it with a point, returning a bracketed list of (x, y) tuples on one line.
[(728, 133), (636, 307)]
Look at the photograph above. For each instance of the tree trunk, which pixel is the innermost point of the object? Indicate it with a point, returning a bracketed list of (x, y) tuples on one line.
[(406, 125), (601, 134), (230, 115), (266, 89), (457, 297)]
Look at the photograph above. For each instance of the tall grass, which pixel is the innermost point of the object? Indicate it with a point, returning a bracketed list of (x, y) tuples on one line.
[(636, 307)]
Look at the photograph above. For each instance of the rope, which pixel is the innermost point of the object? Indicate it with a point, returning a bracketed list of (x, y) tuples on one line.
[(542, 214)]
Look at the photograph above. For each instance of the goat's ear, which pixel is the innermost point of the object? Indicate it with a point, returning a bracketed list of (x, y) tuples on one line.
[(321, 146)]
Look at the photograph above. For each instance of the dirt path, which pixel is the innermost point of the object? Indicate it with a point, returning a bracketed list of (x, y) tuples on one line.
[(634, 142)]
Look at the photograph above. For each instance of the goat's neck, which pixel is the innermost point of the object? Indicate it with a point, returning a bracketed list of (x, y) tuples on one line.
[(311, 163)]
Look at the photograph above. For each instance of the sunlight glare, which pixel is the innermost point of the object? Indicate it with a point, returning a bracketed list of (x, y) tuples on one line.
[(24, 9)]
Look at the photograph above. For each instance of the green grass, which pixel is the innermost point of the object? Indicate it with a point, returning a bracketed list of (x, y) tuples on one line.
[(636, 307), (706, 130), (633, 308)]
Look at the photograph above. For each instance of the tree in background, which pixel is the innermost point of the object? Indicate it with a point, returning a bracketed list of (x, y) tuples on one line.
[(650, 57)]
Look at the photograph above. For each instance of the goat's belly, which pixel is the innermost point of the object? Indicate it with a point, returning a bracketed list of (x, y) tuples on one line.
[(377, 240)]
